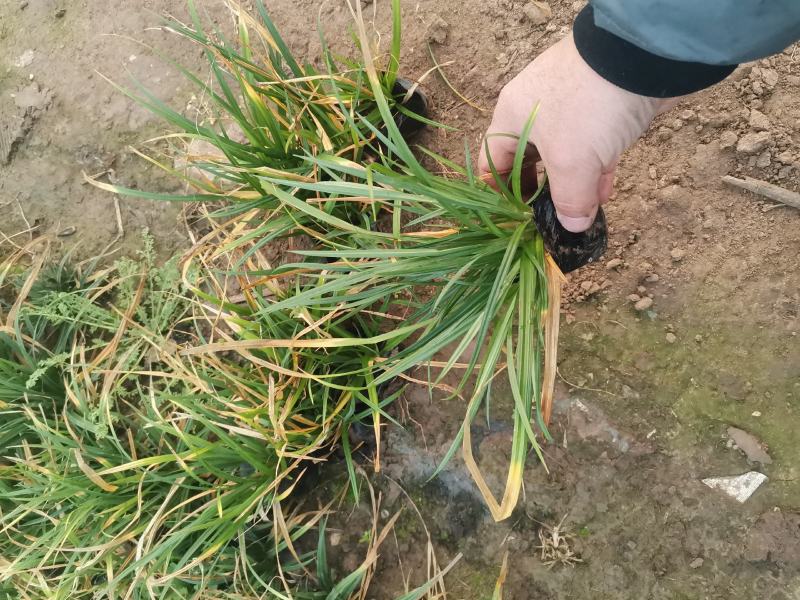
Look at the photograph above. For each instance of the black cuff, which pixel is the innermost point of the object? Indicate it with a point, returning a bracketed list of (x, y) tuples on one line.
[(626, 65)]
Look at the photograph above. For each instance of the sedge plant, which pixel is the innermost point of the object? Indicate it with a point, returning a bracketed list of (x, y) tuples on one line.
[(462, 263)]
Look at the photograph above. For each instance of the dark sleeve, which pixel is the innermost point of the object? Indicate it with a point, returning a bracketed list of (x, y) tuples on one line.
[(637, 70), (665, 48)]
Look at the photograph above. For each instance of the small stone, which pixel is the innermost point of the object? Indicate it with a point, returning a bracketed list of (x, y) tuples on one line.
[(60, 12), (769, 77), (785, 157), (25, 59), (698, 338), (336, 538), (696, 563), (652, 278), (764, 160), (23, 5), (614, 263), (677, 254), (651, 171), (671, 338), (643, 304), (688, 115), (586, 285), (663, 134), (675, 124), (634, 297), (727, 139), (641, 289), (759, 121), (756, 413), (438, 29), (753, 143), (537, 12)]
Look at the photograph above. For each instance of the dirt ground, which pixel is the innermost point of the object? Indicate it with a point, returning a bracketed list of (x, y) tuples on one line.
[(645, 398)]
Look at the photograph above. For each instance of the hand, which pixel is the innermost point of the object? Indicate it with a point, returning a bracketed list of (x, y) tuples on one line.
[(583, 125)]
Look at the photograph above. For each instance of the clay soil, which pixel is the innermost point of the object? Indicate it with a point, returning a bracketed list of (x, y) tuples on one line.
[(645, 397)]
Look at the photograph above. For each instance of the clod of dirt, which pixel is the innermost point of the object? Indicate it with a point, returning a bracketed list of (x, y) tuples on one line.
[(663, 134), (759, 121), (769, 77), (438, 29), (32, 98), (753, 143), (643, 304), (696, 563), (614, 263), (537, 12), (750, 445), (764, 160), (677, 254), (25, 59), (775, 538)]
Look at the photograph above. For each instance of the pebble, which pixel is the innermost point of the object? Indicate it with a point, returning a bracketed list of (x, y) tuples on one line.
[(643, 304), (641, 289), (769, 77), (652, 278), (696, 563), (756, 413), (60, 12), (614, 263), (764, 160), (677, 254), (753, 143), (671, 338), (537, 12), (675, 124), (651, 171), (23, 5), (586, 285), (727, 139), (759, 121), (663, 134), (437, 30), (634, 297), (688, 115)]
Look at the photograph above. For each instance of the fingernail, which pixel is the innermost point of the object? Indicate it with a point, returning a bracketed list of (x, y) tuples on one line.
[(576, 224)]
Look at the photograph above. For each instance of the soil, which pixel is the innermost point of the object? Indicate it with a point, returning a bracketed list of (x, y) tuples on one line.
[(688, 327)]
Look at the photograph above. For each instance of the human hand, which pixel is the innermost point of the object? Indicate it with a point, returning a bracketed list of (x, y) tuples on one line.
[(583, 125)]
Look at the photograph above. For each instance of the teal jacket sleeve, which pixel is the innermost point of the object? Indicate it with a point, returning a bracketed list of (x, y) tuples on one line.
[(714, 32), (665, 48)]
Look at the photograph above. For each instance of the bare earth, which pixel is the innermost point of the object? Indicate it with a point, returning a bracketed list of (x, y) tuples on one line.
[(645, 397)]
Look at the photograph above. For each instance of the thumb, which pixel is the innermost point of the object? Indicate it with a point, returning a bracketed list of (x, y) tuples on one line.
[(576, 194)]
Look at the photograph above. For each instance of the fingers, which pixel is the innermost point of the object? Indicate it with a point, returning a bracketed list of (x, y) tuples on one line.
[(501, 147), (576, 194), (606, 184)]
